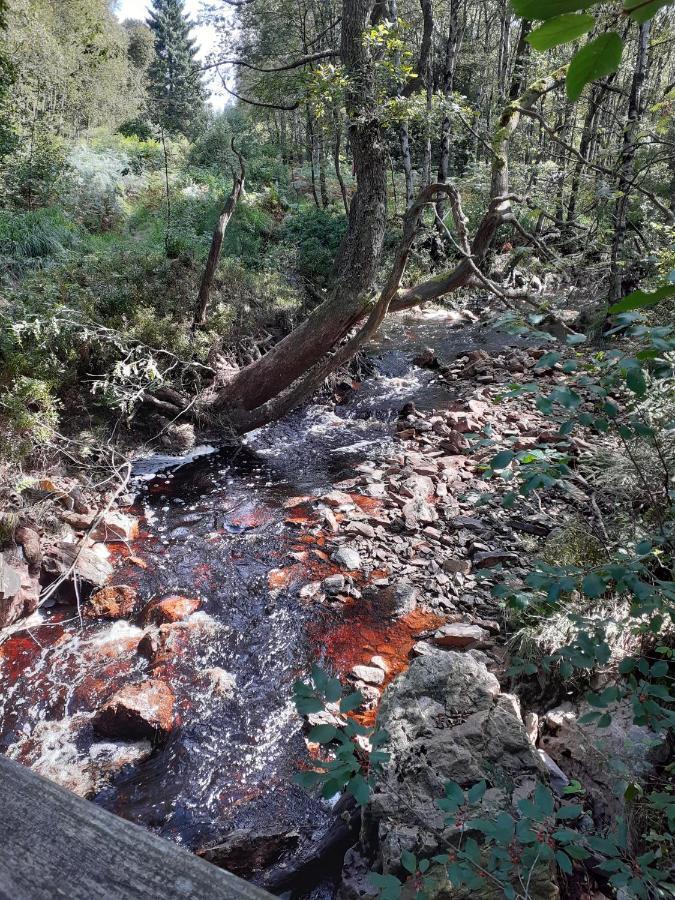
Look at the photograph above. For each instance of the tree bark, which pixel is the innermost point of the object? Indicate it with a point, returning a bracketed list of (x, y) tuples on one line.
[(217, 244), (450, 62)]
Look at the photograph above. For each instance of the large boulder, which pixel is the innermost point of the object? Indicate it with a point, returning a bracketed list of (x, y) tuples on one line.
[(447, 721), (138, 711)]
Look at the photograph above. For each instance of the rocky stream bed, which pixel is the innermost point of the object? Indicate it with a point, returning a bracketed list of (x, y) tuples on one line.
[(157, 680)]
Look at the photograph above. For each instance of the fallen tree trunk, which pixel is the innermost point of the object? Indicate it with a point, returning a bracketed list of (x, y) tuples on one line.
[(217, 242)]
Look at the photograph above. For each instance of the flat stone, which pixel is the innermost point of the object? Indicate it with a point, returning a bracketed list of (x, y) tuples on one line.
[(348, 558), (486, 559), (461, 566), (361, 528), (459, 635), (368, 674)]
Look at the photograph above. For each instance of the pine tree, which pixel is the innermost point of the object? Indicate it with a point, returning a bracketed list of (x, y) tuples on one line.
[(174, 77)]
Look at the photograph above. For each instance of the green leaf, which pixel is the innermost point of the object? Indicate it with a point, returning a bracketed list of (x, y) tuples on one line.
[(564, 862), (640, 12), (307, 705), (635, 380), (333, 690), (409, 861), (639, 299), (546, 9), (475, 794), (598, 58), (501, 460), (359, 789), (351, 702), (593, 586), (566, 813), (322, 734), (560, 30)]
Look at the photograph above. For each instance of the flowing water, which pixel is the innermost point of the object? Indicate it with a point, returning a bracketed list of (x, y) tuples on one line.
[(231, 528)]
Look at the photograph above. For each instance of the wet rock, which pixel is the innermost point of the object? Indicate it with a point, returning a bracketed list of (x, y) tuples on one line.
[(179, 437), (337, 498), (137, 711), (116, 601), (245, 851), (368, 674), (222, 683), (459, 635), (447, 721), (427, 359), (348, 558), (54, 750), (169, 609), (557, 777)]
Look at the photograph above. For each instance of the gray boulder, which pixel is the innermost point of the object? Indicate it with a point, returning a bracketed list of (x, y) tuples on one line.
[(447, 720)]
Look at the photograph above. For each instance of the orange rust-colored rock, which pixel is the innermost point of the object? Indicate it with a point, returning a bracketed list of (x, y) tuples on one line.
[(169, 609), (115, 601), (144, 710)]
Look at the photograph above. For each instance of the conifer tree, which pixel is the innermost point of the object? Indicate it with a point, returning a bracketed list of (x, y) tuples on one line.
[(174, 78)]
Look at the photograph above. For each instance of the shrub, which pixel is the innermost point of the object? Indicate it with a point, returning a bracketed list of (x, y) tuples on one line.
[(317, 234), (38, 238), (30, 414)]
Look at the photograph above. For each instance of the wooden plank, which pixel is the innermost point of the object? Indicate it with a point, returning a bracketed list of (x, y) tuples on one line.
[(53, 845)]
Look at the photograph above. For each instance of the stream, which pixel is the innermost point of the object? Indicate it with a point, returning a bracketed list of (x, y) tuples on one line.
[(232, 528)]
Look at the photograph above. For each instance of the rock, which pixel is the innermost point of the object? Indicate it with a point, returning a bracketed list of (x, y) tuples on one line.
[(457, 566), (459, 635), (348, 558), (427, 359), (368, 674), (169, 609), (54, 749), (116, 601), (245, 851), (532, 727), (361, 528), (137, 711), (558, 779), (90, 568), (333, 584), (582, 750), (113, 526), (447, 721), (489, 558), (19, 589), (222, 683), (29, 541), (179, 437), (418, 512), (380, 662), (337, 498)]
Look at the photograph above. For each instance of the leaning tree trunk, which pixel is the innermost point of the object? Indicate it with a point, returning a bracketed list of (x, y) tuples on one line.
[(359, 255), (627, 163), (217, 243)]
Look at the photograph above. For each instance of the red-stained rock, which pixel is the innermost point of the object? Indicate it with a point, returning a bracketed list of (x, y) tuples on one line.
[(170, 609), (138, 711), (116, 601)]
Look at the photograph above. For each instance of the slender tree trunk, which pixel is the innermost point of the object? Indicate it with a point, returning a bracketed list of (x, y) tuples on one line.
[(588, 133), (450, 62), (311, 155), (216, 246), (337, 146), (627, 163)]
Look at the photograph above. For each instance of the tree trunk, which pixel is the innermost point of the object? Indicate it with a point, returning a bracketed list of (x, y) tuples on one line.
[(337, 144), (451, 50), (626, 163), (359, 255), (216, 245)]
